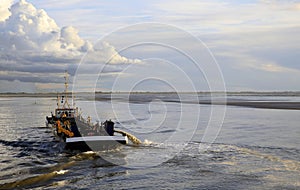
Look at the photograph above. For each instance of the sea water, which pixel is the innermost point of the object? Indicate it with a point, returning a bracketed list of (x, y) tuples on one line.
[(185, 145)]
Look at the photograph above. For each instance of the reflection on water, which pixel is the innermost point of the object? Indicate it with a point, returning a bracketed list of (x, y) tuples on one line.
[(256, 149)]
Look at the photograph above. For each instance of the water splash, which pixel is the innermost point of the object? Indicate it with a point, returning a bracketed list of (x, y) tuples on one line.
[(131, 137)]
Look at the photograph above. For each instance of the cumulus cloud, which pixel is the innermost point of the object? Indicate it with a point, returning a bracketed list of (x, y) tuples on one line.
[(28, 28), (32, 42), (108, 53), (4, 9)]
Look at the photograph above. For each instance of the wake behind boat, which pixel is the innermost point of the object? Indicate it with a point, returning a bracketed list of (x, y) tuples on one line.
[(79, 134)]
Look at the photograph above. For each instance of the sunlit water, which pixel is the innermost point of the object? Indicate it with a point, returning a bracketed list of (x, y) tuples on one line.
[(255, 148)]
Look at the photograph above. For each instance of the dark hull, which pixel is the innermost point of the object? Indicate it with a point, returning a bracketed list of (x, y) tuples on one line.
[(95, 143), (86, 139)]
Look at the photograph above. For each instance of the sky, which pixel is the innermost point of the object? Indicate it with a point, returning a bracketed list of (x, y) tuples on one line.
[(193, 45)]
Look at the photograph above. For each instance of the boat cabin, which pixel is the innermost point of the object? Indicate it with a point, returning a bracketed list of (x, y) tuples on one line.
[(67, 112)]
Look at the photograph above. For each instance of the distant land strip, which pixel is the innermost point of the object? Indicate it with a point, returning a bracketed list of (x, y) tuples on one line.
[(258, 104), (229, 93), (137, 98)]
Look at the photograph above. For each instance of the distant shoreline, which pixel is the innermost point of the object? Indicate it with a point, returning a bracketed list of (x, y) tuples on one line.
[(231, 93), (137, 97), (258, 104)]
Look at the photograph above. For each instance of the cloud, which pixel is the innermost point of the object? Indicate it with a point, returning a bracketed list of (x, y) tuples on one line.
[(224, 16), (245, 43), (71, 40), (31, 29), (28, 28), (275, 68), (4, 9), (254, 62), (106, 52), (270, 47), (31, 42), (16, 86)]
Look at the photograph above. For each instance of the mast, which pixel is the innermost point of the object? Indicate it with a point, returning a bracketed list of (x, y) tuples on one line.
[(58, 101), (66, 103)]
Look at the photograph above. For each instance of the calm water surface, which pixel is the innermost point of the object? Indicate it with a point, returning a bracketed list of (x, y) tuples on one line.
[(255, 148)]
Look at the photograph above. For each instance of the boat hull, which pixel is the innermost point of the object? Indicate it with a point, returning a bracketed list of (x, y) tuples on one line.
[(95, 143)]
